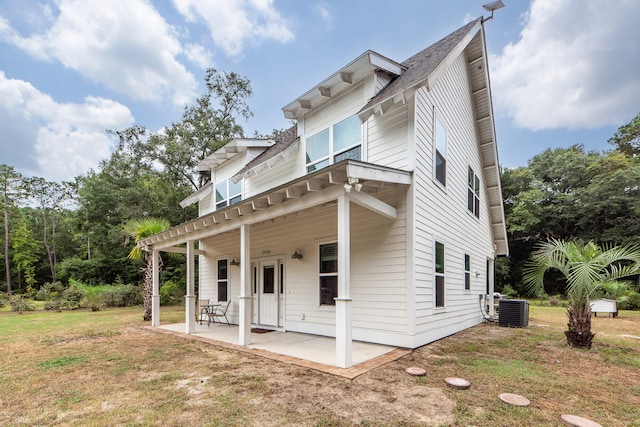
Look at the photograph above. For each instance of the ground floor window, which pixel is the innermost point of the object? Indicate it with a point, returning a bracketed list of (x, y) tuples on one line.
[(328, 270), (439, 274), (467, 272), (223, 279)]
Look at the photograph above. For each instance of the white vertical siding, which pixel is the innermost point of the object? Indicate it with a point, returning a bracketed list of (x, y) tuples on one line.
[(441, 214)]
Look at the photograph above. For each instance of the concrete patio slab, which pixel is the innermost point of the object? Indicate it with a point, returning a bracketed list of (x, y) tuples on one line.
[(309, 351)]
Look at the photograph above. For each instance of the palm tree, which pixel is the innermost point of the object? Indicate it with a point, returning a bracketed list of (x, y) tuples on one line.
[(586, 267), (138, 230)]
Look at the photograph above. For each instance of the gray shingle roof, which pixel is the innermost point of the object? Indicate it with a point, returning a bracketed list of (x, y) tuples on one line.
[(283, 141), (421, 65)]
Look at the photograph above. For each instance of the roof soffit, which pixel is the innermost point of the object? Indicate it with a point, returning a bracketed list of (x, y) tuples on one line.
[(231, 150), (341, 81)]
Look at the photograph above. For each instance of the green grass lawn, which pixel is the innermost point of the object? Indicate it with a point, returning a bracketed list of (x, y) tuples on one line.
[(105, 368)]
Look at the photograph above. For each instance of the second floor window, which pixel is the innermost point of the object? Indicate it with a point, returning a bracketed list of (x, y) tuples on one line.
[(440, 138), (338, 142), (228, 193), (473, 193)]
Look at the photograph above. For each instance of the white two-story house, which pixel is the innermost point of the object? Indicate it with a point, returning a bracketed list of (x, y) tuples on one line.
[(376, 218)]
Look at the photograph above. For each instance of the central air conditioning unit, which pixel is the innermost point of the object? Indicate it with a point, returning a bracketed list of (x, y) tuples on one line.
[(513, 313)]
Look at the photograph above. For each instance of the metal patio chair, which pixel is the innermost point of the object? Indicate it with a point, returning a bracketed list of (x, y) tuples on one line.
[(218, 312)]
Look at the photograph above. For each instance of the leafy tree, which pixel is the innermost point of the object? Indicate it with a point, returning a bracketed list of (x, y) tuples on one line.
[(12, 192), (139, 230), (25, 252), (627, 138), (586, 267), (207, 125), (50, 198)]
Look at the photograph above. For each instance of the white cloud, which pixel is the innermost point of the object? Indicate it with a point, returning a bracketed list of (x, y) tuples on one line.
[(323, 10), (575, 66), (198, 55), (124, 45), (234, 23), (65, 139)]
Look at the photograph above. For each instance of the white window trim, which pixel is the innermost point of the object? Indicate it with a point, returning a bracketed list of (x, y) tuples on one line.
[(229, 197), (464, 282), (444, 275), (435, 150), (318, 274), (477, 194), (218, 280)]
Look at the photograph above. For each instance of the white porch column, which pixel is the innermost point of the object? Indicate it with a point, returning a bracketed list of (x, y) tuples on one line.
[(190, 299), (155, 294), (245, 299), (343, 302), (491, 281)]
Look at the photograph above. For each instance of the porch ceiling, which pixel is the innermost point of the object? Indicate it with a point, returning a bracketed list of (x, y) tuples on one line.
[(349, 176)]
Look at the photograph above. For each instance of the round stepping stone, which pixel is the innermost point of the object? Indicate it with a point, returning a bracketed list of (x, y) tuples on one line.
[(576, 421), (418, 372), (458, 383), (514, 399)]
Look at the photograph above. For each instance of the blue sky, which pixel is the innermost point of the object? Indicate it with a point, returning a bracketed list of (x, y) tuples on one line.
[(562, 71)]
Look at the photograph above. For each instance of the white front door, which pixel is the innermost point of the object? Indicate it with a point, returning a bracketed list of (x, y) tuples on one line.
[(268, 291)]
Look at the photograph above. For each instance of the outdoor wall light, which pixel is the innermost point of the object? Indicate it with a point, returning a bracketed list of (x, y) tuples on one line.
[(297, 255), (235, 262)]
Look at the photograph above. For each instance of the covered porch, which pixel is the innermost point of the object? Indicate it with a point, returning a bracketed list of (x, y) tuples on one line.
[(334, 186), (305, 350)]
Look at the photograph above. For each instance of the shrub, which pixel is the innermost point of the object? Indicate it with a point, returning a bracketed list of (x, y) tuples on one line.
[(49, 291), (509, 292), (94, 301), (171, 293), (3, 300), (122, 296), (555, 301), (631, 301), (20, 304), (71, 297), (54, 304)]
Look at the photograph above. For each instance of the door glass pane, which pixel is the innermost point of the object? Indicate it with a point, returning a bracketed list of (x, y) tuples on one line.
[(281, 278), (269, 275)]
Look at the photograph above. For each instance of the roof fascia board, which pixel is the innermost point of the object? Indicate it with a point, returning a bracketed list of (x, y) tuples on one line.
[(429, 80), (502, 244), (385, 63), (451, 57)]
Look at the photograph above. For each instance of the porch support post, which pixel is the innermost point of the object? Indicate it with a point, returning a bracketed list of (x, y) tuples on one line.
[(245, 286), (491, 282), (343, 302), (190, 299), (155, 293)]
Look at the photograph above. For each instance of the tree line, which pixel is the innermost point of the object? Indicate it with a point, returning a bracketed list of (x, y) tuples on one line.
[(568, 194), (75, 230)]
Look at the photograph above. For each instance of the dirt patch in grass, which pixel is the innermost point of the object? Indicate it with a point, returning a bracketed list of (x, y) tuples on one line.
[(115, 373)]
